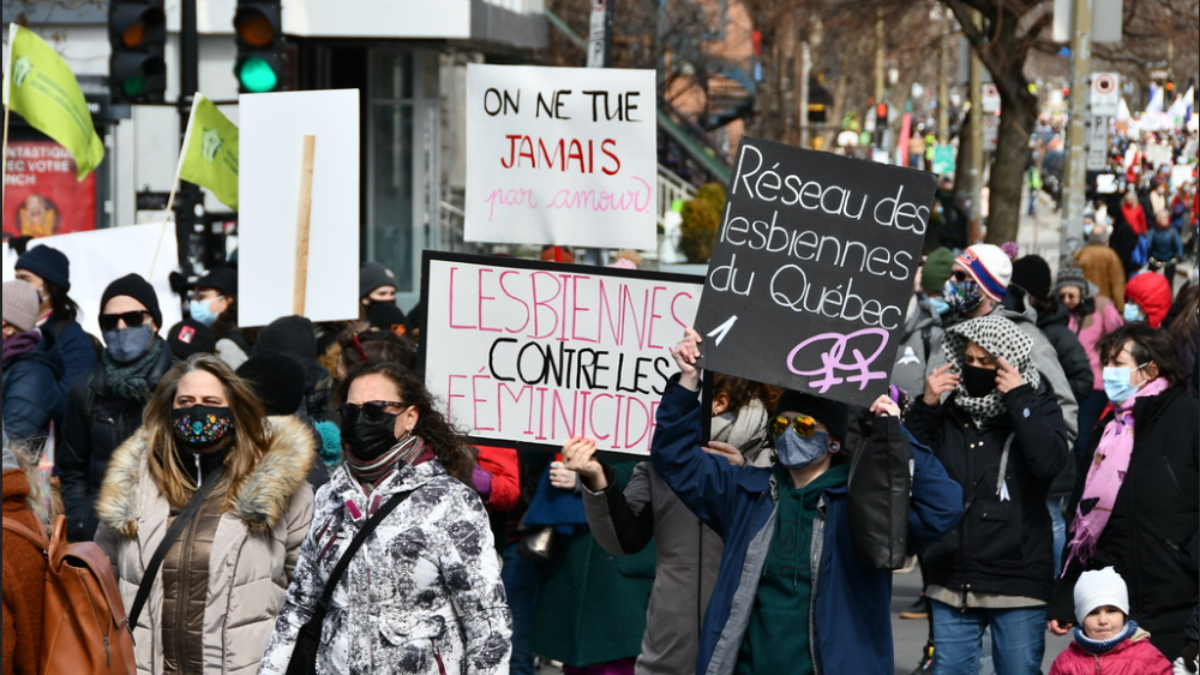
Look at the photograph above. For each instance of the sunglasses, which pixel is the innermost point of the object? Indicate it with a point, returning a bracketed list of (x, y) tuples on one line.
[(371, 411), (132, 319), (958, 275), (803, 424)]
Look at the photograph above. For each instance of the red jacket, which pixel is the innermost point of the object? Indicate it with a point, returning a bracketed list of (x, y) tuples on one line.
[(1135, 656), (501, 463), (24, 569), (1136, 217)]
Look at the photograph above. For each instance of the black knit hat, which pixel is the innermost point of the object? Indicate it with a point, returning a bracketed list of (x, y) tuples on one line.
[(1033, 274), (833, 414), (293, 335), (278, 379), (223, 279), (190, 337), (48, 263), (137, 288), (372, 276)]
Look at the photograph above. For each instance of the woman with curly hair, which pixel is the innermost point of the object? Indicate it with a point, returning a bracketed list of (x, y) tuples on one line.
[(423, 593)]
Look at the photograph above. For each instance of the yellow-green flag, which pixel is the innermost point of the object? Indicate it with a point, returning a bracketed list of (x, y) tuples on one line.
[(41, 88), (210, 152)]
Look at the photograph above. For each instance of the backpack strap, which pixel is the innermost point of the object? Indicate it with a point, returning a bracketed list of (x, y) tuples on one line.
[(24, 532), (181, 522), (926, 335)]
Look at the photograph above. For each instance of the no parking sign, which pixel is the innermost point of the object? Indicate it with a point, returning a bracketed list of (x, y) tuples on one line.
[(1106, 94)]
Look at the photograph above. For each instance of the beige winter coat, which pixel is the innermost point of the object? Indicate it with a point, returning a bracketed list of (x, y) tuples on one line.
[(253, 553)]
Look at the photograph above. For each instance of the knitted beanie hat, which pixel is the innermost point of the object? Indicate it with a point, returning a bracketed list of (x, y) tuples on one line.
[(20, 305), (1100, 588), (374, 275), (937, 269), (190, 337), (48, 263), (1070, 275), (1033, 274), (278, 379), (137, 288), (989, 265)]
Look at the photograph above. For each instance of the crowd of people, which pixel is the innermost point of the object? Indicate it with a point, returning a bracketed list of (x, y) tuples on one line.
[(241, 482)]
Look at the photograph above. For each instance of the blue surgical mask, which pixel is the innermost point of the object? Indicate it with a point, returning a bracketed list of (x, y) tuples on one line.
[(1133, 313), (939, 305), (796, 452), (201, 310), (1117, 385), (126, 345)]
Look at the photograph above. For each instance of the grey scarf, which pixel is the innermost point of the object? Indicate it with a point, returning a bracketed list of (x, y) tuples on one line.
[(1001, 338), (131, 381), (745, 429)]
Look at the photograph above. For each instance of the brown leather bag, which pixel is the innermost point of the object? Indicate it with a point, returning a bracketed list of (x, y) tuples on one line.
[(84, 630)]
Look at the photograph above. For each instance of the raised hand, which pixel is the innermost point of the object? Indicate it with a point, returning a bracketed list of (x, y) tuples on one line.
[(1007, 377), (686, 354), (729, 452), (938, 383), (579, 455)]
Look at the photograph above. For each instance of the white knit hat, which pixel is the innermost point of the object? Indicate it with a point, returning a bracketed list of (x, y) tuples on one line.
[(991, 268), (1100, 588)]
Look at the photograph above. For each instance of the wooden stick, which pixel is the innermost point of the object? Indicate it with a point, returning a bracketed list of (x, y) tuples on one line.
[(303, 216), (4, 167)]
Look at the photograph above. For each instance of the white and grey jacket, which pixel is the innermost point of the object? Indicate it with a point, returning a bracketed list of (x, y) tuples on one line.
[(423, 594)]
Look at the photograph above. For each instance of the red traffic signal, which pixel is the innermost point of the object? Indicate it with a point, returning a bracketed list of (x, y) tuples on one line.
[(881, 113)]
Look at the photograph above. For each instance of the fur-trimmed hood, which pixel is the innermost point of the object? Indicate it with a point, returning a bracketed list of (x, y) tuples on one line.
[(261, 500)]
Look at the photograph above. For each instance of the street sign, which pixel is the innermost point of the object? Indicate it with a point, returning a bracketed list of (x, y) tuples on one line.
[(1106, 94), (991, 98), (944, 157), (1097, 139), (991, 132)]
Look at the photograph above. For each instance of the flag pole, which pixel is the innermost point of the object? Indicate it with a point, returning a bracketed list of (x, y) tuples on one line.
[(187, 138), (12, 34)]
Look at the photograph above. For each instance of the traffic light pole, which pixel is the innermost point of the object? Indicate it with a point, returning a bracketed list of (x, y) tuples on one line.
[(1071, 232), (189, 83)]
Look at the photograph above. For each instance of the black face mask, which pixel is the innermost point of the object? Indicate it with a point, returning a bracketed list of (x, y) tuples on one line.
[(978, 382), (369, 439)]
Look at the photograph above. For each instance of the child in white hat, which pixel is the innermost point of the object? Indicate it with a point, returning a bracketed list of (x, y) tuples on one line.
[(1106, 639)]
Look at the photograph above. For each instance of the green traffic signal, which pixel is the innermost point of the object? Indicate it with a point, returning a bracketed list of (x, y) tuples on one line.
[(256, 75), (134, 85)]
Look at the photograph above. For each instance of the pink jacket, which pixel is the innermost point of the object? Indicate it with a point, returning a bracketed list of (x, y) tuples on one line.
[(1095, 326), (1135, 656)]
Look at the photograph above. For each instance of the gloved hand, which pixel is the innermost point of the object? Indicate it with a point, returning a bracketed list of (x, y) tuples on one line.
[(1186, 663), (481, 480)]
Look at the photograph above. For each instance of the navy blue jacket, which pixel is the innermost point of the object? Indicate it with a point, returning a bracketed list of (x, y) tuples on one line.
[(851, 626), (31, 393)]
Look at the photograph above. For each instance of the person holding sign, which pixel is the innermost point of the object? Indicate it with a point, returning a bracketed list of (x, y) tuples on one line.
[(789, 572), (1001, 436)]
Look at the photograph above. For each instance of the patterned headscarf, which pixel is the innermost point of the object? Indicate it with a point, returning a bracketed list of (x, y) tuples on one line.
[(1002, 339)]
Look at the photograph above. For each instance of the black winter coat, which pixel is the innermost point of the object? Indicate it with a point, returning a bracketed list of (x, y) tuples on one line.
[(1003, 547), (1151, 536), (1078, 369), (95, 424)]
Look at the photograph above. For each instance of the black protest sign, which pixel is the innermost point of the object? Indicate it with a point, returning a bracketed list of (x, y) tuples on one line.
[(812, 270)]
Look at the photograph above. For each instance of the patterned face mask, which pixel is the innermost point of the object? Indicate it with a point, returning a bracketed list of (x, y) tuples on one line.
[(200, 427), (961, 296)]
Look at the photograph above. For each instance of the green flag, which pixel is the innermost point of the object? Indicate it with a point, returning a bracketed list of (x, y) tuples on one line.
[(41, 88), (210, 152)]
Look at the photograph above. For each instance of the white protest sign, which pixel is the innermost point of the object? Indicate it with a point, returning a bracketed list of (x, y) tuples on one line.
[(272, 131), (561, 156), (1106, 94), (99, 257), (531, 353), (991, 132)]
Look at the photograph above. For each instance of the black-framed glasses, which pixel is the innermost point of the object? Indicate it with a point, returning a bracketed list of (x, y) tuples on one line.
[(132, 319), (371, 411), (803, 424)]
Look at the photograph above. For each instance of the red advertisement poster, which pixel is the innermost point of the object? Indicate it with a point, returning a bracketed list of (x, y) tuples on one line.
[(42, 197)]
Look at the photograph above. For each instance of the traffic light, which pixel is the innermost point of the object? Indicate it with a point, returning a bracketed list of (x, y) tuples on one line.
[(137, 32), (881, 114), (259, 28)]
